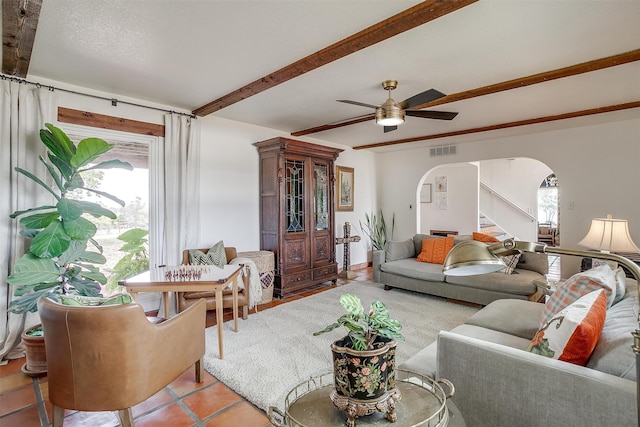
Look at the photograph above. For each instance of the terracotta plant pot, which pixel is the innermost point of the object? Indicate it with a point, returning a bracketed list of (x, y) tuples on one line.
[(35, 353), (364, 375)]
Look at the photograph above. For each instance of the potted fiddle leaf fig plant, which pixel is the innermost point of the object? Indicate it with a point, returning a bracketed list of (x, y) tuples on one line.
[(58, 261), (364, 360)]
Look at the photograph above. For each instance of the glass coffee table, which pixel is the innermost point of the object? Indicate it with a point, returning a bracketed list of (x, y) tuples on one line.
[(423, 403)]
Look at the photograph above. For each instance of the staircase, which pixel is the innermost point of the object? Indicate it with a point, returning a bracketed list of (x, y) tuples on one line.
[(488, 227)]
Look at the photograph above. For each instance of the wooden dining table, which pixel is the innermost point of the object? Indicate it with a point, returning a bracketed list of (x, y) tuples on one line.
[(190, 278)]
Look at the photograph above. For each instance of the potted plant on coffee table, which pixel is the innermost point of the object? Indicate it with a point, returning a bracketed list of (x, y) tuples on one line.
[(364, 360), (57, 261)]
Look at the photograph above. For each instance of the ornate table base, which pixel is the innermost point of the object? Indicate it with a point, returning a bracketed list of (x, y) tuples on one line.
[(359, 408)]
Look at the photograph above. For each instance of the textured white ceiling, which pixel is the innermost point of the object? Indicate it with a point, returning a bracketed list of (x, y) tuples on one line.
[(187, 53)]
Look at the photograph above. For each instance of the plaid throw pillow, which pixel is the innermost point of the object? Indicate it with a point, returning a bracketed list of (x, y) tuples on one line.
[(215, 256), (578, 285), (511, 261)]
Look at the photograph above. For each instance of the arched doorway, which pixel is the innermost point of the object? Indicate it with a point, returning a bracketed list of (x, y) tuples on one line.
[(548, 212)]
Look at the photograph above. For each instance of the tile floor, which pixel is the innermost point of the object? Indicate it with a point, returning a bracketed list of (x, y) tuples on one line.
[(24, 401)]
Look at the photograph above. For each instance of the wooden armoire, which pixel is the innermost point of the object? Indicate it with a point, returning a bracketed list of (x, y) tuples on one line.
[(297, 212)]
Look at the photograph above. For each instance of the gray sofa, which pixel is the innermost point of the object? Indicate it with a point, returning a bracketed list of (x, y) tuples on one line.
[(499, 383), (397, 267)]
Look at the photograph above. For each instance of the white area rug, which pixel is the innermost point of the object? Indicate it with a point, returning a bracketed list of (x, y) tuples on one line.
[(274, 350)]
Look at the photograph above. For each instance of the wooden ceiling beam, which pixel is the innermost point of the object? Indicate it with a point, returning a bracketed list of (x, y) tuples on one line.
[(19, 24), (573, 70), (399, 23), (571, 115)]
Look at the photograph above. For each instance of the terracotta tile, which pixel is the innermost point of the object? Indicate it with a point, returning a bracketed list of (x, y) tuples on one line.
[(159, 399), (26, 418), (168, 416), (12, 366), (186, 383), (17, 399), (97, 419), (243, 414), (14, 381), (211, 400)]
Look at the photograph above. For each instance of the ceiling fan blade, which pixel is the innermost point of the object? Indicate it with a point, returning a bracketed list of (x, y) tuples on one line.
[(431, 114), (390, 128), (361, 104), (421, 98)]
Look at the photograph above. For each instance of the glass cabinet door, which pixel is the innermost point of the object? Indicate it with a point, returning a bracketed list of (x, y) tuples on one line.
[(294, 195), (321, 196)]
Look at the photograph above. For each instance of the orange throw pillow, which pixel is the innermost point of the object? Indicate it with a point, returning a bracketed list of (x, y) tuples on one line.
[(481, 237), (435, 250)]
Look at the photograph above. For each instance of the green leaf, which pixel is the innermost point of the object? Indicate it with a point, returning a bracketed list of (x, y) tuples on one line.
[(63, 140), (53, 174), (107, 195), (37, 180), (53, 145), (352, 304), (29, 303), (133, 234), (39, 208), (88, 150), (95, 209), (63, 166), (93, 257), (50, 242), (112, 164), (69, 209), (73, 253), (80, 228), (93, 275), (76, 182), (31, 270), (86, 287), (40, 220)]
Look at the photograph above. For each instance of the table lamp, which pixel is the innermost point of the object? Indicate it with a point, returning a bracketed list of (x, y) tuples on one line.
[(472, 257), (609, 235)]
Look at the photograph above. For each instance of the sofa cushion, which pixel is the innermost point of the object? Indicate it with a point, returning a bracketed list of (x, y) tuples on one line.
[(511, 261), (215, 256), (511, 316), (491, 336), (578, 285), (573, 333), (414, 269), (435, 250), (482, 237), (417, 241), (613, 353), (534, 262), (519, 284), (394, 251)]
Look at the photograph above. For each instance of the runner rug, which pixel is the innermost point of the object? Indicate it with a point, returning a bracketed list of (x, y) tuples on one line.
[(275, 350)]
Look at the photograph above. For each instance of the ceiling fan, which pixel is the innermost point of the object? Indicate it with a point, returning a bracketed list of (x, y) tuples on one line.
[(390, 114)]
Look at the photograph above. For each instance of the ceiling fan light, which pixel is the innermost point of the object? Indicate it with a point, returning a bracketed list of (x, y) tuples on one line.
[(389, 116)]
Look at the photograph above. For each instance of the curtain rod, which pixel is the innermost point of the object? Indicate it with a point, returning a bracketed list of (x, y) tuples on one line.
[(113, 101)]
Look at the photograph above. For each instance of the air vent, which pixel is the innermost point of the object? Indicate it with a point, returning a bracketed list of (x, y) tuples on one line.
[(443, 150)]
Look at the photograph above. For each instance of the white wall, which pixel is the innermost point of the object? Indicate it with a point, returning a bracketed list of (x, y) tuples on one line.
[(596, 162), (461, 214)]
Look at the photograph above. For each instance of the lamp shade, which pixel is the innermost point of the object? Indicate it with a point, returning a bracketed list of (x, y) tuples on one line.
[(470, 258), (389, 114), (609, 235)]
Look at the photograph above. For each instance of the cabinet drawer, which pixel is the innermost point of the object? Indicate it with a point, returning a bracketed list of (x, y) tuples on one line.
[(292, 279), (324, 271)]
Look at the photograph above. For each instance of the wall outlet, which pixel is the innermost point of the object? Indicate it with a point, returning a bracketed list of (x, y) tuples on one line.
[(570, 206)]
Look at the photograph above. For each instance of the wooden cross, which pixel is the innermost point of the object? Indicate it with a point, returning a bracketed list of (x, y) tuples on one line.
[(346, 272)]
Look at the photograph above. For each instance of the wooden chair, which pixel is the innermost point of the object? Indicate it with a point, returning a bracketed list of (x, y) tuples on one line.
[(110, 358), (546, 234), (185, 299)]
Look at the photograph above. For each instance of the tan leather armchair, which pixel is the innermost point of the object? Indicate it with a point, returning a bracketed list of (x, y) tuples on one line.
[(185, 299), (110, 358)]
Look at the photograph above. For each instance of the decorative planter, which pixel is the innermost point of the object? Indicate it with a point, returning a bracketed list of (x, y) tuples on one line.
[(36, 364), (365, 381)]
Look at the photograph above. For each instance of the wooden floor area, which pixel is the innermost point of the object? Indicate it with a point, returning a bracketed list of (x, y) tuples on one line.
[(24, 400)]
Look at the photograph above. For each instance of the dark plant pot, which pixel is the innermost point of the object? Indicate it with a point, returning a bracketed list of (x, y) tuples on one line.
[(364, 375), (35, 353)]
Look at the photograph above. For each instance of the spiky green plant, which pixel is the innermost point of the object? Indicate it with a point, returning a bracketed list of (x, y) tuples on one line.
[(375, 228), (365, 328), (57, 261)]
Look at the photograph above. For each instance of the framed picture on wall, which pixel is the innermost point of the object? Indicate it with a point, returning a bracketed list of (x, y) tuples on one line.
[(344, 199), (425, 193)]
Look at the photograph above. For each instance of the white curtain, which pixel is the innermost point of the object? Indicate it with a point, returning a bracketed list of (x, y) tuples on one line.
[(174, 179), (23, 112)]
